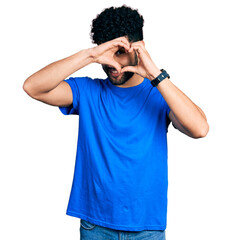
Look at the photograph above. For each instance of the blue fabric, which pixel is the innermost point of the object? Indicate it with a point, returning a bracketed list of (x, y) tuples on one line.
[(121, 176)]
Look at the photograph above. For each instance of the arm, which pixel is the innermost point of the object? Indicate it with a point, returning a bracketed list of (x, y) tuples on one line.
[(176, 123), (185, 115), (48, 85)]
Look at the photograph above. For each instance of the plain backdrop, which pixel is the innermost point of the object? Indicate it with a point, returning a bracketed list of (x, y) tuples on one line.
[(190, 39)]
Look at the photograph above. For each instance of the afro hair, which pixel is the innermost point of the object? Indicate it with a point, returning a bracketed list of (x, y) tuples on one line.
[(116, 22)]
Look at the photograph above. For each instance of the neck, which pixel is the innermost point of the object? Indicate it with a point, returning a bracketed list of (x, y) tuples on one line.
[(134, 81)]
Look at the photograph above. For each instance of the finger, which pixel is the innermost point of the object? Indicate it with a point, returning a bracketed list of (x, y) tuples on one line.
[(141, 54), (129, 69), (140, 44), (136, 48), (140, 51), (121, 44), (115, 65), (124, 39)]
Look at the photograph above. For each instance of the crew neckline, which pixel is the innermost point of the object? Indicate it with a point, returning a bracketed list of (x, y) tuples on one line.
[(123, 89)]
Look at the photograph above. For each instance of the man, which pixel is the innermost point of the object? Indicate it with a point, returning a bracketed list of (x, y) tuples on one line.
[(120, 180)]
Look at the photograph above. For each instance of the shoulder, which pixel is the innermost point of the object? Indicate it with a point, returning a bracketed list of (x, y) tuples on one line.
[(96, 82), (83, 82), (87, 84)]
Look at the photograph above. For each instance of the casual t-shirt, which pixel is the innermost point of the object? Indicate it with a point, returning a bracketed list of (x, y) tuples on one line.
[(120, 179)]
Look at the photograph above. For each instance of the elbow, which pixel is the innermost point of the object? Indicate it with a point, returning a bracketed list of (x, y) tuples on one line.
[(203, 131), (28, 88), (25, 87)]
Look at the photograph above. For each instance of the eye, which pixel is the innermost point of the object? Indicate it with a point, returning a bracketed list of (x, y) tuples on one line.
[(120, 51)]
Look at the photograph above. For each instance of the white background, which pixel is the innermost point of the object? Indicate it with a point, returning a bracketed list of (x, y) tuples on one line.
[(190, 39)]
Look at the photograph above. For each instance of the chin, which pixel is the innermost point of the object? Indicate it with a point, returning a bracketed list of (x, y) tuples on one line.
[(120, 81)]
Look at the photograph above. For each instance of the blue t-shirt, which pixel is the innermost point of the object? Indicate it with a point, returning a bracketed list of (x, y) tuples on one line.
[(120, 179)]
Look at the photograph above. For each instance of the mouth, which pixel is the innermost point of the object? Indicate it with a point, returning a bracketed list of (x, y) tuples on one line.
[(113, 72)]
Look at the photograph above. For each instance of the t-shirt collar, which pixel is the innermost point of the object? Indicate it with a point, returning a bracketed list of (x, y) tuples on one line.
[(126, 89)]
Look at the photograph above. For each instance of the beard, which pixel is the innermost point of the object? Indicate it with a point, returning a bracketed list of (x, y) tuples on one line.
[(121, 79)]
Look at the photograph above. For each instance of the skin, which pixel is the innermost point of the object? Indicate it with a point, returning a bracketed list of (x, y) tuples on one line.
[(115, 54), (124, 59), (185, 115), (48, 85)]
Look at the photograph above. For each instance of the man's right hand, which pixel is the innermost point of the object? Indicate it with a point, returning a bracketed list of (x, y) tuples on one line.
[(48, 85), (104, 53)]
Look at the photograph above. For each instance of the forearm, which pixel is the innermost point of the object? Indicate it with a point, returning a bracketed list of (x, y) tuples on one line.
[(50, 76), (188, 114), (184, 112)]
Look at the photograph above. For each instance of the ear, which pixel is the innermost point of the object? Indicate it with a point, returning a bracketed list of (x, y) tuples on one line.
[(143, 43)]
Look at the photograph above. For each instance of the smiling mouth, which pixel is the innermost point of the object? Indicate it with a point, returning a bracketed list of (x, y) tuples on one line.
[(113, 72)]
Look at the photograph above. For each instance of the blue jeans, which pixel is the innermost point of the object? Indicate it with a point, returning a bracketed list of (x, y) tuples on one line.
[(90, 231)]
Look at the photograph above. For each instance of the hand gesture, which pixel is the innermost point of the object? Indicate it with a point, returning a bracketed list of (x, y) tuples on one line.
[(104, 53), (146, 67)]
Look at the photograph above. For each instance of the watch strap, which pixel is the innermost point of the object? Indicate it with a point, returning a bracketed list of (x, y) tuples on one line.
[(160, 78)]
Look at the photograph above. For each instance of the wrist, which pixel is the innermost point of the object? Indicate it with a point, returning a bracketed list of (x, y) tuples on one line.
[(163, 75), (94, 55), (89, 55), (154, 73)]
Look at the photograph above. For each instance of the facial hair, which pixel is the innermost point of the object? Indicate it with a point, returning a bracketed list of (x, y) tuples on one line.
[(125, 76)]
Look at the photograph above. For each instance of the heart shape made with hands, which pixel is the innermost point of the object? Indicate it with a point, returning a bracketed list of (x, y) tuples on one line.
[(145, 67), (106, 55), (124, 50)]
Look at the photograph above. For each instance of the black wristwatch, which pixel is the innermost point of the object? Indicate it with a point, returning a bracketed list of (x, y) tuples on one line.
[(160, 78)]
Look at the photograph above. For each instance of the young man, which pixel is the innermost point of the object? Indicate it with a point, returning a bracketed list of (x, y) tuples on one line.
[(120, 181)]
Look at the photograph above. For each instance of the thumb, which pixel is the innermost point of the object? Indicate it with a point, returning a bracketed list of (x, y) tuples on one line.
[(129, 69), (116, 66)]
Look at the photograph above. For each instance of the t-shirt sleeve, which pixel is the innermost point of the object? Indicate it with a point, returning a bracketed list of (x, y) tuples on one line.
[(78, 86), (167, 110)]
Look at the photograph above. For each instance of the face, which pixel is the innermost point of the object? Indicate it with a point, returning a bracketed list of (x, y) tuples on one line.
[(124, 59)]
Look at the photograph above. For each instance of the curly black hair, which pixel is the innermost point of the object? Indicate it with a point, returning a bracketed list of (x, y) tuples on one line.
[(116, 22)]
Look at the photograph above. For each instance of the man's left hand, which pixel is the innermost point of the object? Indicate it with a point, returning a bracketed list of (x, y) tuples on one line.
[(146, 67)]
